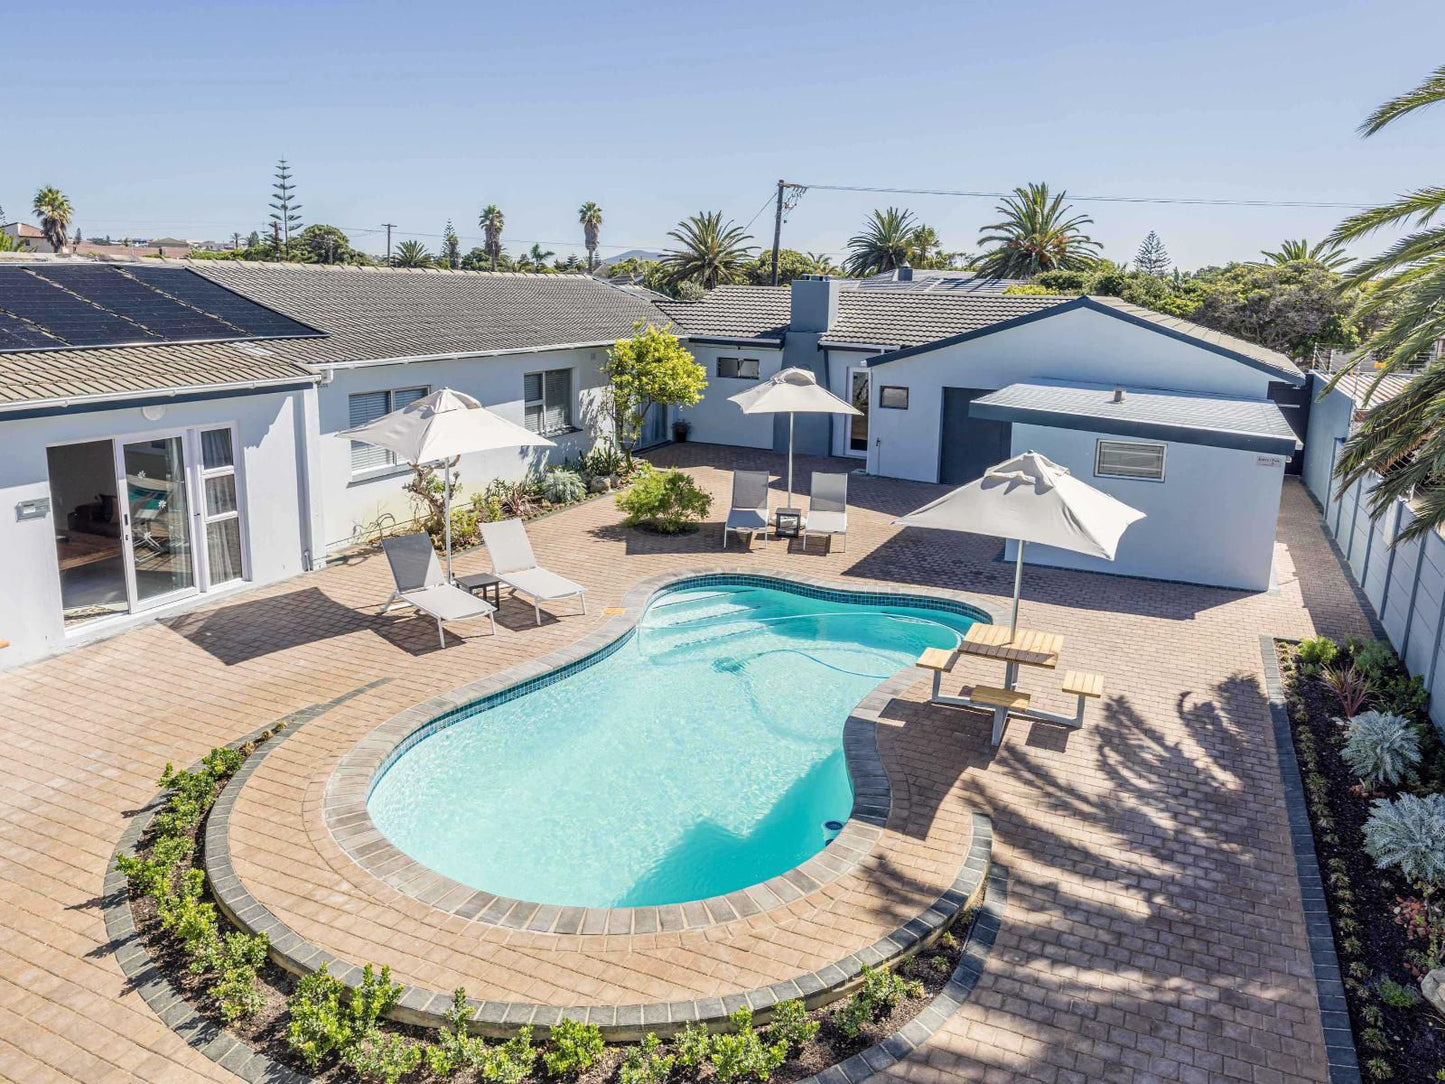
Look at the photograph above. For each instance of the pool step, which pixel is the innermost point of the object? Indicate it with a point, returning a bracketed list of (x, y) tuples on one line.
[(682, 598), (678, 643)]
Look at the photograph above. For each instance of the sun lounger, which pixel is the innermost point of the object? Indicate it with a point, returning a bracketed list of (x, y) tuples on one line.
[(749, 511), (516, 566), (828, 507), (420, 583)]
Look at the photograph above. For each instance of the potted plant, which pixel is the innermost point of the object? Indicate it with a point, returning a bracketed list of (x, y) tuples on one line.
[(680, 429)]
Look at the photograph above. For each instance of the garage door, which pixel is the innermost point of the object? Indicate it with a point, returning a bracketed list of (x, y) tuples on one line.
[(969, 445)]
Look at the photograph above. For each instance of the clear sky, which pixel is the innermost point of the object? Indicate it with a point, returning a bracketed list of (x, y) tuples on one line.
[(167, 117)]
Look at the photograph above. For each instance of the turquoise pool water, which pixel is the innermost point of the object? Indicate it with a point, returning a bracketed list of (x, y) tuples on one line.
[(703, 755)]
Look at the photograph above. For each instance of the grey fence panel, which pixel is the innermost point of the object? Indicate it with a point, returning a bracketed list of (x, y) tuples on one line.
[(1400, 590), (1429, 598)]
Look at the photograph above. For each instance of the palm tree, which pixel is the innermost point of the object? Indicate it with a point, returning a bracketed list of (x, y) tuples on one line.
[(52, 208), (491, 221), (711, 251), (924, 247), (539, 257), (1036, 234), (1403, 288), (822, 263), (412, 254), (1328, 253), (590, 215), (883, 245)]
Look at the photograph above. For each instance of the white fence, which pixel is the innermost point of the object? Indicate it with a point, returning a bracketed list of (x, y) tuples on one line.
[(1404, 583)]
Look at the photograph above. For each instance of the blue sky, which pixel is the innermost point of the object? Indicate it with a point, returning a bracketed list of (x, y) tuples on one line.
[(167, 118)]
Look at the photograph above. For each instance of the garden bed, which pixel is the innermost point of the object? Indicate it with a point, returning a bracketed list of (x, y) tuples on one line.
[(1398, 1036), (822, 1037)]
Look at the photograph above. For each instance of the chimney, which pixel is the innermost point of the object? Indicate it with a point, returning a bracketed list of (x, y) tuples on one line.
[(1118, 395), (905, 272), (815, 303)]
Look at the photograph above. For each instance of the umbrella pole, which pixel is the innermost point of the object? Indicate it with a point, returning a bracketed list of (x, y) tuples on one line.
[(1018, 583), (790, 459), (447, 474)]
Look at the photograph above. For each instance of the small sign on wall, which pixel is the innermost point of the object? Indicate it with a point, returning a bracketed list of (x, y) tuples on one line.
[(1270, 461), (38, 508)]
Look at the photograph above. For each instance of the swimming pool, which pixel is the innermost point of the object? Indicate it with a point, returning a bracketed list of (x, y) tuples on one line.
[(703, 753)]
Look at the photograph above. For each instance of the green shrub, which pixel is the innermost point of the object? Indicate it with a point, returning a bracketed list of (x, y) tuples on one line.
[(1409, 834), (881, 992), (237, 994), (372, 998), (694, 1046), (575, 1048), (742, 1054), (455, 1048), (645, 1064), (382, 1056), (1396, 995), (1316, 654), (513, 499), (601, 462), (1379, 1069), (665, 501), (223, 763), (1383, 750), (791, 1026), (236, 959), (320, 1025), (1375, 657), (563, 487), (510, 1063)]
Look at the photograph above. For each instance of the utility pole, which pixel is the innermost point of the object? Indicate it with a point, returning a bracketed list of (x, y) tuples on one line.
[(389, 227), (777, 232)]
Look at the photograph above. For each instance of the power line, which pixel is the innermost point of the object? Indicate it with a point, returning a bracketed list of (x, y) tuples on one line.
[(1189, 200)]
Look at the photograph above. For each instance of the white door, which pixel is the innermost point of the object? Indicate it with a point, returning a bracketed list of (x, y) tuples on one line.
[(855, 426), (159, 549)]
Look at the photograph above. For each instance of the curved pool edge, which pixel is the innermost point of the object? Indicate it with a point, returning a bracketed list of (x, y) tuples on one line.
[(347, 818)]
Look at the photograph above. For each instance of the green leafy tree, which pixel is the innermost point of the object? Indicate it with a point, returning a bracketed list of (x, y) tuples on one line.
[(412, 254), (791, 265), (1038, 232), (650, 369), (253, 240), (491, 220), (1328, 253), (325, 244), (285, 211), (590, 215), (1295, 308), (710, 251), (476, 259), (52, 209), (1152, 257), (925, 249), (883, 244)]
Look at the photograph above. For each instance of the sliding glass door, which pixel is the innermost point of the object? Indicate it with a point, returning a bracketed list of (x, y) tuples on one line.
[(160, 561)]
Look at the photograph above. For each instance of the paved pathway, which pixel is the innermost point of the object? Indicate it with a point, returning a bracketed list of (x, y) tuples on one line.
[(1154, 929)]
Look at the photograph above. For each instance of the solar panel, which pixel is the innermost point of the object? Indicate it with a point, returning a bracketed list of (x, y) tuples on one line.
[(16, 334), (256, 320), (75, 321), (159, 314)]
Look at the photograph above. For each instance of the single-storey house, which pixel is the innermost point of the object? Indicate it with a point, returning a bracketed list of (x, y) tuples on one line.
[(170, 429)]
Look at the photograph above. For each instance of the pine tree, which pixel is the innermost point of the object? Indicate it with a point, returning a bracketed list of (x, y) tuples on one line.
[(253, 239), (451, 246), (285, 211), (1152, 257)]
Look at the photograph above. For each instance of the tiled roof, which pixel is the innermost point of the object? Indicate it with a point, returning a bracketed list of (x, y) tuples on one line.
[(374, 313), (892, 318), (1264, 355), (1367, 394), (1255, 424), (367, 313)]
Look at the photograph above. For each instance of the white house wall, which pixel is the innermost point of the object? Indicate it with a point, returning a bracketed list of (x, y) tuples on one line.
[(353, 504), (1210, 521), (1079, 346), (715, 420), (269, 455)]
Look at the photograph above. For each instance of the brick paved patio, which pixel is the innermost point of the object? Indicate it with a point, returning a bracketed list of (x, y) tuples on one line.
[(1154, 929)]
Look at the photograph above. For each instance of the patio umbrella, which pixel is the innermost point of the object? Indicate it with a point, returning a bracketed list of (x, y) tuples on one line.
[(439, 428), (791, 391), (1030, 498)]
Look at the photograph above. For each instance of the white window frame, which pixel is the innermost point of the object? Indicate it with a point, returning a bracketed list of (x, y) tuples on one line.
[(739, 362), (233, 470), (883, 389), (388, 461), (542, 429), (1100, 472)]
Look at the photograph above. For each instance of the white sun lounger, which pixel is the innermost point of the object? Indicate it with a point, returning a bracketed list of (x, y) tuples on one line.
[(828, 507), (420, 583), (516, 566), (749, 512)]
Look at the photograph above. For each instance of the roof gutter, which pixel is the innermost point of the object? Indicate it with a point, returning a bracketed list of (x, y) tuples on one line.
[(1240, 440), (459, 355), (114, 400)]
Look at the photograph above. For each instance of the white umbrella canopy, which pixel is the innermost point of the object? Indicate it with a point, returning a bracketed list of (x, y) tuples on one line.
[(1030, 498), (440, 427), (791, 391)]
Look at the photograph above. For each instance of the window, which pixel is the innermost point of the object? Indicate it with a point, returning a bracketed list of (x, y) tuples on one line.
[(366, 407), (893, 398), (548, 401), (737, 368), (222, 512), (1129, 459)]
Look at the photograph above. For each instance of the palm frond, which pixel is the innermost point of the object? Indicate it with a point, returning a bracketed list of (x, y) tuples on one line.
[(1420, 206), (1408, 250), (1430, 92)]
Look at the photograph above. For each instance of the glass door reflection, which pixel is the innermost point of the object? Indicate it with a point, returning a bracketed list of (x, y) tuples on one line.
[(161, 555)]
